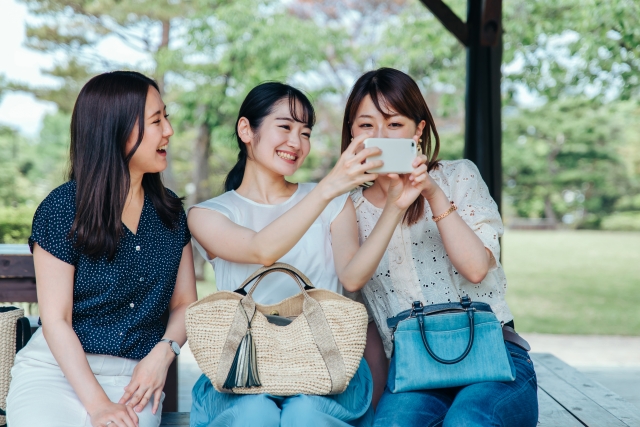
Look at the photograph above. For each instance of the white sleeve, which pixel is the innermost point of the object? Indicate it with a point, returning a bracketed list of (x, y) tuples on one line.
[(213, 206), (475, 205), (336, 206)]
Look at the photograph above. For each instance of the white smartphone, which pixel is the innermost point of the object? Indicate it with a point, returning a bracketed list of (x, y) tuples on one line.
[(397, 154)]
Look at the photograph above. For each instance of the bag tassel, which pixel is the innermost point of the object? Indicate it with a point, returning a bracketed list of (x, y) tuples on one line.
[(244, 370)]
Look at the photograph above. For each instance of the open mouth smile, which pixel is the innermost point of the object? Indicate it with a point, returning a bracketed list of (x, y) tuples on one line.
[(287, 156), (163, 149)]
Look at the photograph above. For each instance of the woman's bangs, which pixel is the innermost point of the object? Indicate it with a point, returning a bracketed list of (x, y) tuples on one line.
[(388, 100), (306, 114)]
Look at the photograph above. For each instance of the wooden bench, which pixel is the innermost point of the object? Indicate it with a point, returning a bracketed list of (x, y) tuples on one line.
[(566, 398)]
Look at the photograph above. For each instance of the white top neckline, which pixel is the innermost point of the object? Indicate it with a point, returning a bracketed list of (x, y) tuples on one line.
[(267, 205)]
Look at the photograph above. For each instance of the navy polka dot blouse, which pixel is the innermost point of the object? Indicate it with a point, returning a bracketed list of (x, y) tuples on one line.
[(117, 304)]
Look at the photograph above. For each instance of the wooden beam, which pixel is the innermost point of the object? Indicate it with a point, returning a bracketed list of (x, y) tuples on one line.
[(12, 266), (18, 290), (449, 19)]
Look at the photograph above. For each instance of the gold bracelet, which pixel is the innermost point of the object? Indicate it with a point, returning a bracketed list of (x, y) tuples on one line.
[(444, 215)]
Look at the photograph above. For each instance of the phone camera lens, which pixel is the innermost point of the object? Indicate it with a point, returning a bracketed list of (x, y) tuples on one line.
[(413, 144)]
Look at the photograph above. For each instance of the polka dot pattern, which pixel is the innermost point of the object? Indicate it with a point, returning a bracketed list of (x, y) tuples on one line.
[(416, 266), (117, 304)]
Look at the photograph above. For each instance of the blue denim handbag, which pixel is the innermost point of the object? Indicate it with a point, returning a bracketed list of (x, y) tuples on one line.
[(447, 345)]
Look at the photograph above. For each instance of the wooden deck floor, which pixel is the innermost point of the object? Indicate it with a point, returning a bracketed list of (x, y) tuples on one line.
[(565, 396)]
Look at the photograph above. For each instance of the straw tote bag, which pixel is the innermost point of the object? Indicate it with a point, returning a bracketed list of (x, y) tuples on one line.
[(15, 331), (310, 343)]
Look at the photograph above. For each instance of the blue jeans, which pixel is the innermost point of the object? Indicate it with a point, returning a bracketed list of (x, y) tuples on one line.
[(499, 404), (349, 409)]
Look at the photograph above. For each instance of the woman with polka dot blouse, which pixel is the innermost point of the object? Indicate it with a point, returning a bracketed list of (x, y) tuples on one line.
[(445, 247), (112, 254)]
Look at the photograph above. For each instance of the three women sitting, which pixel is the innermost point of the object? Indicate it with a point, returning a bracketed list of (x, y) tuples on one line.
[(101, 310)]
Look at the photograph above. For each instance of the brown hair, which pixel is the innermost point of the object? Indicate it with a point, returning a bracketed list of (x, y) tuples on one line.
[(395, 90)]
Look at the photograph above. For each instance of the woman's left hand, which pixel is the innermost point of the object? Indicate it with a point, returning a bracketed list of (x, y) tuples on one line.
[(405, 189), (148, 379)]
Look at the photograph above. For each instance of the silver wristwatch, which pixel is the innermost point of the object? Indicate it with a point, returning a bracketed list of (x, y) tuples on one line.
[(174, 345)]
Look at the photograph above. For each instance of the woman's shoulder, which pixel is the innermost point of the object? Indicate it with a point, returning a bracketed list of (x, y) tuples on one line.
[(61, 199), (53, 221), (225, 203), (459, 166)]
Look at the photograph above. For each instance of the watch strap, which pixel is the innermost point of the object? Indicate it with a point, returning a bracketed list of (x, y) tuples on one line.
[(170, 342)]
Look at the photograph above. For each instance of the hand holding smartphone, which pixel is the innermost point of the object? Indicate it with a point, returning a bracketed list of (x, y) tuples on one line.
[(397, 154)]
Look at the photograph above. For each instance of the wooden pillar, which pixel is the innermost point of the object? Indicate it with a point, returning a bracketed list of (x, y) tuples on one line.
[(483, 121)]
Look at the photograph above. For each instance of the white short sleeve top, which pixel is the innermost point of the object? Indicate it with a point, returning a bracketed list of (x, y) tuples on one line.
[(416, 267), (312, 255)]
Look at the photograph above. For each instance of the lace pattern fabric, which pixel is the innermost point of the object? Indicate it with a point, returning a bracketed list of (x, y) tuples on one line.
[(416, 266)]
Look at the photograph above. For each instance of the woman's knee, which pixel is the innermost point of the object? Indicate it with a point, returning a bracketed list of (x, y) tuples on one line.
[(255, 410), (418, 408), (299, 410)]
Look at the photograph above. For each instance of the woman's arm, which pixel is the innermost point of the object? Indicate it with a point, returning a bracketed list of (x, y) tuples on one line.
[(356, 265), (150, 374), (466, 251), (55, 302), (221, 237)]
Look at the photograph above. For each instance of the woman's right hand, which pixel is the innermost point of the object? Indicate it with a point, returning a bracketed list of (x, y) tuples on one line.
[(114, 415), (349, 171)]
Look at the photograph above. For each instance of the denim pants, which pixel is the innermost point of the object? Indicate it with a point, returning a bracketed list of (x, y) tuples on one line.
[(500, 404), (351, 408)]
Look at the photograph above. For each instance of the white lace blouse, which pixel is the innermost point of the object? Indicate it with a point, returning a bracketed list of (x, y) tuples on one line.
[(416, 266)]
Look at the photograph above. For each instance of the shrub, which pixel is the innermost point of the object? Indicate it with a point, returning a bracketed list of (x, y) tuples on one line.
[(15, 224), (622, 221)]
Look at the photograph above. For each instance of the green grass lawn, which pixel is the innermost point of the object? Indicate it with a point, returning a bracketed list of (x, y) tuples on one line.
[(574, 282), (569, 282)]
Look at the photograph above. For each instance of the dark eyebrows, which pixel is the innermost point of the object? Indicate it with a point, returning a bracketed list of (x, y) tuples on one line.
[(289, 119), (157, 112), (386, 116)]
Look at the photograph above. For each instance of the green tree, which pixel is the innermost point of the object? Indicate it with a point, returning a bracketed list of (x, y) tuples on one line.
[(564, 161)]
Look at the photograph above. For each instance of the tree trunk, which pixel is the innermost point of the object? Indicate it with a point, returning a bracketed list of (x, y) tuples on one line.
[(168, 176), (164, 44), (200, 179), (549, 214)]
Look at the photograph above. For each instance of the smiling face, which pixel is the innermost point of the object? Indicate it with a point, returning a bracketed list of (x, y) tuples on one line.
[(388, 125), (281, 143), (151, 154)]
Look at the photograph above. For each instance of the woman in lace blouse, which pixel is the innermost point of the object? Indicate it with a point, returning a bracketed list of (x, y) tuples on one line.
[(432, 261)]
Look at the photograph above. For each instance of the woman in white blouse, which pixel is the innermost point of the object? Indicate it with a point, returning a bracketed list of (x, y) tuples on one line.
[(446, 246), (263, 218)]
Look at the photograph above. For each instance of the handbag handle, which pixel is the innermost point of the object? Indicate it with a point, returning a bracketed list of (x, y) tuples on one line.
[(470, 313), (282, 267), (23, 333)]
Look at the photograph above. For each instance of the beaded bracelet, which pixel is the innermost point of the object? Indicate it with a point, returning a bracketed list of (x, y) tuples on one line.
[(444, 215)]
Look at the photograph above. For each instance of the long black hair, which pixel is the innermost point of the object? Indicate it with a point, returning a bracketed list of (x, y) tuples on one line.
[(105, 114), (258, 104)]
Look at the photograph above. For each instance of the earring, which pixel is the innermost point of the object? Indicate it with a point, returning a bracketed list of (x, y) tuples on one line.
[(420, 140), (352, 138)]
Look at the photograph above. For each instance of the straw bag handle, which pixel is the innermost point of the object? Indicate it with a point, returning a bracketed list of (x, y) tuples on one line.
[(278, 266), (311, 310)]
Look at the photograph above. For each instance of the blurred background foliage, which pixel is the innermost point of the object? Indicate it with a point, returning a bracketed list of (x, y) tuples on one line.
[(571, 88)]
